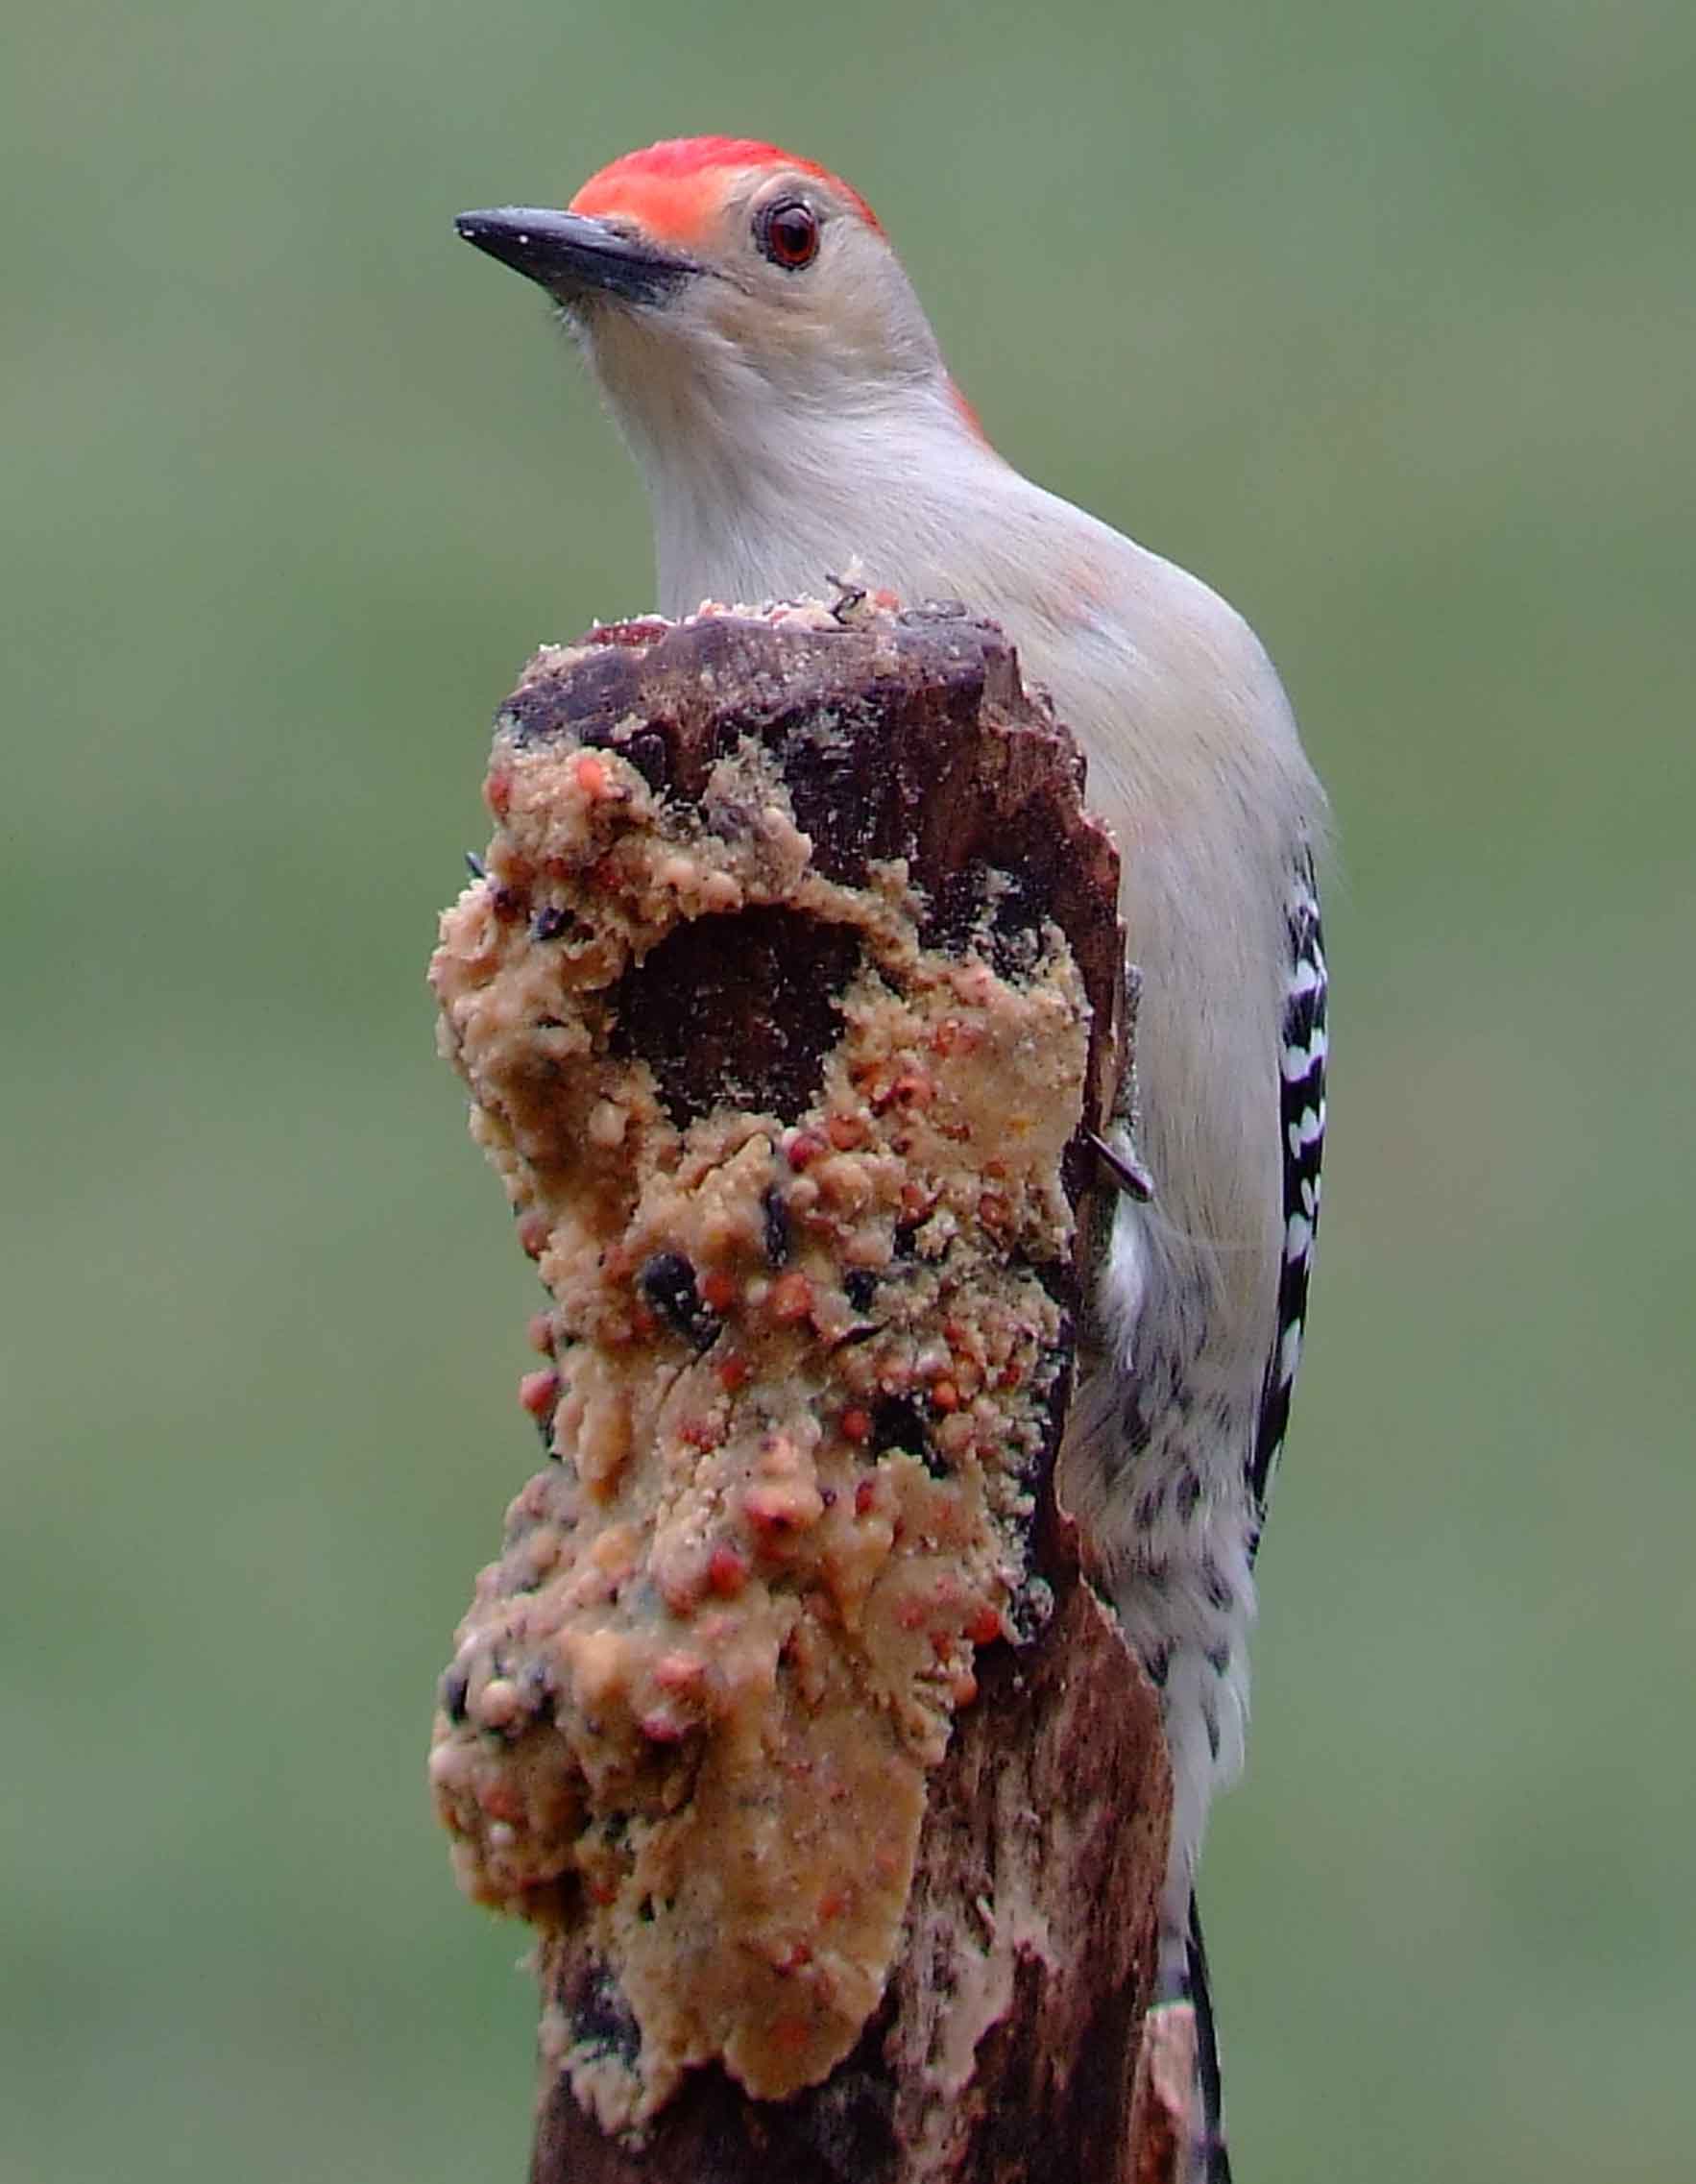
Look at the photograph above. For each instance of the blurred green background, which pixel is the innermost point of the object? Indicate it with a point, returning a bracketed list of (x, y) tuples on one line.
[(1381, 318)]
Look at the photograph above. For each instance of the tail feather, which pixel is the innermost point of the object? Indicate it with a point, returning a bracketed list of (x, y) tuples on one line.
[(1214, 2161)]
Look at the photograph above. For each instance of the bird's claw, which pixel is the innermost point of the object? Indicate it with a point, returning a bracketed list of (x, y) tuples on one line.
[(850, 597), (1127, 1171)]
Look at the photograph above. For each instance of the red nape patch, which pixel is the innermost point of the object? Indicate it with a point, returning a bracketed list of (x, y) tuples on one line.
[(969, 417), (668, 186)]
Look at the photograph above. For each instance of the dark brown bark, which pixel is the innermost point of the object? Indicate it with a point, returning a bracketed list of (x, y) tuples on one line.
[(1007, 2047)]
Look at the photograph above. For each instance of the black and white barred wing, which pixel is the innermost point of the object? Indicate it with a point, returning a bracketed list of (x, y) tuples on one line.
[(1302, 1105)]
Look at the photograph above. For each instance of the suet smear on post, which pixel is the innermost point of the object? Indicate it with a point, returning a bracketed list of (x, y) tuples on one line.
[(788, 1006)]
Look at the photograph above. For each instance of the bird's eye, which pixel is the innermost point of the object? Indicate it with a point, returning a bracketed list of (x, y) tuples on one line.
[(788, 233)]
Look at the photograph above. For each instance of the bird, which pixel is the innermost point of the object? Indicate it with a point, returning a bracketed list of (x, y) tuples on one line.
[(773, 372)]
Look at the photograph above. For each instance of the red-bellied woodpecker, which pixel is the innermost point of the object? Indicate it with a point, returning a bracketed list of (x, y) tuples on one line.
[(771, 368)]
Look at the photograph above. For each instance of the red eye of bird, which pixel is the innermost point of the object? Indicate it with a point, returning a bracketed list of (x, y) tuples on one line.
[(788, 233)]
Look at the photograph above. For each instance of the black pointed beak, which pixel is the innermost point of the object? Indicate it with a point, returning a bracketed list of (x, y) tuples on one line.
[(573, 256)]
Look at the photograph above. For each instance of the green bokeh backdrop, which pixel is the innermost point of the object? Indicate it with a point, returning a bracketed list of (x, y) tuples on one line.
[(1381, 316)]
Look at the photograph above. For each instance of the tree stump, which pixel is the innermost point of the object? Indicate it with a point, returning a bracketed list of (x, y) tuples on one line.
[(798, 765)]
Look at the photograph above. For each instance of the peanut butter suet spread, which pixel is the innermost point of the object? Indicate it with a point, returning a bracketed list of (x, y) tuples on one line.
[(795, 1367)]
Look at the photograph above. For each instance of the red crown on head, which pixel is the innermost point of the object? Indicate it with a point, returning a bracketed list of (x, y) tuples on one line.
[(666, 186)]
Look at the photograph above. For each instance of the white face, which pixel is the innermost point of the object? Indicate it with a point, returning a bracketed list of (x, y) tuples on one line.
[(794, 301)]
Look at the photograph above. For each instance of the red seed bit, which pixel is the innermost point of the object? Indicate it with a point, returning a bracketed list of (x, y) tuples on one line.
[(638, 630), (538, 1392), (698, 1433), (498, 793), (945, 1395), (865, 1498), (790, 1299), (732, 1374), (661, 1726), (914, 1205), (964, 1688), (831, 1904), (727, 1570), (590, 773), (857, 1425), (791, 1958), (804, 1148), (913, 1089), (533, 1235), (984, 1627), (845, 1132), (719, 1290), (644, 1327)]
